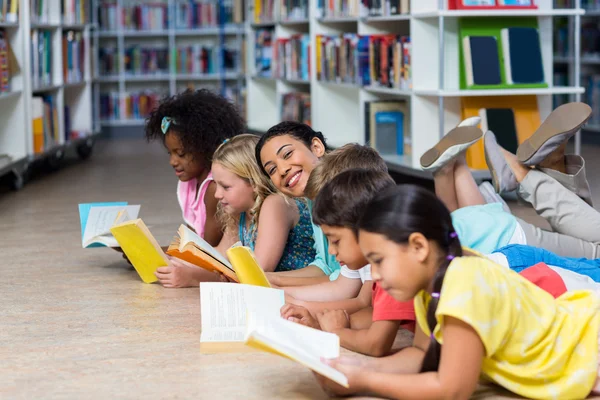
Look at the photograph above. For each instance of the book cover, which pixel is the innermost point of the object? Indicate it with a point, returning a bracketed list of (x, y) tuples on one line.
[(246, 267), (481, 60), (522, 55), (501, 121), (389, 132)]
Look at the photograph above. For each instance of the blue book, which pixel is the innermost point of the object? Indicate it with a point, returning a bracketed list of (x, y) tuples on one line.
[(515, 3), (482, 63), (389, 132), (96, 219), (364, 77), (522, 56)]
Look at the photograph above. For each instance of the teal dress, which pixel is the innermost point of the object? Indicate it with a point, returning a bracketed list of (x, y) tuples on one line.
[(299, 250)]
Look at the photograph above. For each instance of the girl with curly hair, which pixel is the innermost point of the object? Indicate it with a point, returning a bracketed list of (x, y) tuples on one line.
[(192, 125)]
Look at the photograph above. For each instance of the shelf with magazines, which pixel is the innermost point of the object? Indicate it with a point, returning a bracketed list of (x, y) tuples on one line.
[(148, 49), (45, 84), (400, 74)]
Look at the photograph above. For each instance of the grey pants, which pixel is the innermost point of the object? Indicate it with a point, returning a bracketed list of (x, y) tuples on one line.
[(575, 223), (575, 179)]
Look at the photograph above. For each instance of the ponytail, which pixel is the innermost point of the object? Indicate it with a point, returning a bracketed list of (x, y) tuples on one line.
[(402, 210), (431, 361)]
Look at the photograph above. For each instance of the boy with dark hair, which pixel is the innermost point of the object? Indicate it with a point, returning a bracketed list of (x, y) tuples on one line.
[(337, 209)]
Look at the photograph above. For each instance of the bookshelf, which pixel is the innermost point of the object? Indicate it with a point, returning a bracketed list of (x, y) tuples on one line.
[(147, 50), (46, 105), (433, 99), (586, 69)]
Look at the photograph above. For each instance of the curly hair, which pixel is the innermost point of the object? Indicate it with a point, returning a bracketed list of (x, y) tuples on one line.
[(297, 130), (237, 156), (201, 119)]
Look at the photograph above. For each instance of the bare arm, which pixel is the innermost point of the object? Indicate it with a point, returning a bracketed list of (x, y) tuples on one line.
[(213, 231), (276, 220), (230, 237), (350, 305), (340, 289), (297, 282), (375, 341), (310, 271), (362, 319)]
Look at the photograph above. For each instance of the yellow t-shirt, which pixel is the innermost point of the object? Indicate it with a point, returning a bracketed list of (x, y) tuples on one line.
[(536, 346)]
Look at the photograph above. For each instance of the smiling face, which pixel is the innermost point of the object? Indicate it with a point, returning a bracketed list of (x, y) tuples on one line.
[(344, 246), (235, 194), (186, 166), (401, 269), (289, 162)]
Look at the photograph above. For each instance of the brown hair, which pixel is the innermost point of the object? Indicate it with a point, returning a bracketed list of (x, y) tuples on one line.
[(349, 156), (342, 201)]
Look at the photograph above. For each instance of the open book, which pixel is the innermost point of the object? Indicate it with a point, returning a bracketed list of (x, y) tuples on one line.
[(141, 248), (97, 218), (294, 341), (224, 308)]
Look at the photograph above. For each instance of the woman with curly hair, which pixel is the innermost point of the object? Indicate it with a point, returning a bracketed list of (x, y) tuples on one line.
[(192, 125)]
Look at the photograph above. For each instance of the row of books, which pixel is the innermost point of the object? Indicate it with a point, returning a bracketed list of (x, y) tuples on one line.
[(74, 11), (264, 11), (263, 52), (293, 9), (380, 60), (339, 8), (44, 113), (41, 58), (140, 15), (384, 8), (128, 105), (73, 56), (521, 62), (590, 40), (491, 4), (295, 106), (108, 61), (198, 59), (5, 72), (9, 11), (291, 58), (591, 83), (146, 60), (586, 4)]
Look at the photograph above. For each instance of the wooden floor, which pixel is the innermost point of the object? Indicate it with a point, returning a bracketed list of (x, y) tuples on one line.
[(78, 323)]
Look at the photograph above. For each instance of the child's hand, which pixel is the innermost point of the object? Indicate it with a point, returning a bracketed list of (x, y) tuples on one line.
[(299, 315), (223, 278), (352, 368), (176, 275), (333, 320)]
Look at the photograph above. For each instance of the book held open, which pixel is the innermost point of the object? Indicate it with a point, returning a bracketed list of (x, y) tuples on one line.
[(97, 218)]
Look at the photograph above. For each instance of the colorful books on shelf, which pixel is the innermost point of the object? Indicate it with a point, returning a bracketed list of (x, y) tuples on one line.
[(296, 107), (203, 14), (41, 58), (5, 62), (146, 60), (339, 9), (74, 11), (9, 11), (500, 53), (108, 61), (390, 61), (387, 127), (196, 59), (107, 15), (145, 15), (293, 10), (490, 4), (291, 58), (263, 52), (44, 114), (381, 8), (264, 11), (585, 4), (129, 105), (73, 56), (337, 59)]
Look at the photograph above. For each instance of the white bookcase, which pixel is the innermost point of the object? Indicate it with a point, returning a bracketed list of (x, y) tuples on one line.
[(230, 35), (16, 130), (338, 109)]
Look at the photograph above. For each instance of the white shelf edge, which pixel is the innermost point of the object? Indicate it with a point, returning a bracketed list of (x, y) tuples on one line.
[(9, 25), (582, 60), (263, 78), (386, 18), (69, 85), (386, 90), (147, 78), (43, 25), (207, 77), (294, 81), (500, 13), (592, 128), (291, 22), (107, 79), (43, 89), (340, 84), (145, 33), (592, 13), (263, 24), (122, 122), (207, 31), (337, 20), (11, 94), (501, 92)]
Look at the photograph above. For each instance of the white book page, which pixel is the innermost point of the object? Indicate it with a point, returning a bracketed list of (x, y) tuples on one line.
[(301, 343), (190, 236), (101, 219), (223, 309)]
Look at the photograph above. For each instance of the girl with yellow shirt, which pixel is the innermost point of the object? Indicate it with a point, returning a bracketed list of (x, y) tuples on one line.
[(475, 319)]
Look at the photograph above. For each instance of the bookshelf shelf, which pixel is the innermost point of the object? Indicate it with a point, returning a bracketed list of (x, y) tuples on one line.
[(107, 79), (123, 122), (74, 85), (47, 88), (263, 24), (10, 95), (293, 22), (592, 128), (208, 77), (432, 99), (9, 25), (582, 60), (43, 25), (74, 27), (147, 78), (295, 81), (146, 33), (229, 30)]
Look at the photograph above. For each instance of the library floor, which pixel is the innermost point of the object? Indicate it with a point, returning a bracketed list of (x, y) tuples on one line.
[(78, 323)]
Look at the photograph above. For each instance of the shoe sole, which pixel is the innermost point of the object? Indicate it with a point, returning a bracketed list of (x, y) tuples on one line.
[(565, 120), (456, 137)]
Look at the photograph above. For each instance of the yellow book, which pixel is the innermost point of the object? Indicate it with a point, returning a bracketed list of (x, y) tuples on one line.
[(223, 311), (257, 11), (37, 111), (246, 267), (141, 248), (296, 342)]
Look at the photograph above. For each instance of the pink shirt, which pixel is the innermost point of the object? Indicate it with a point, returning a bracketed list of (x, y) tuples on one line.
[(192, 203)]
